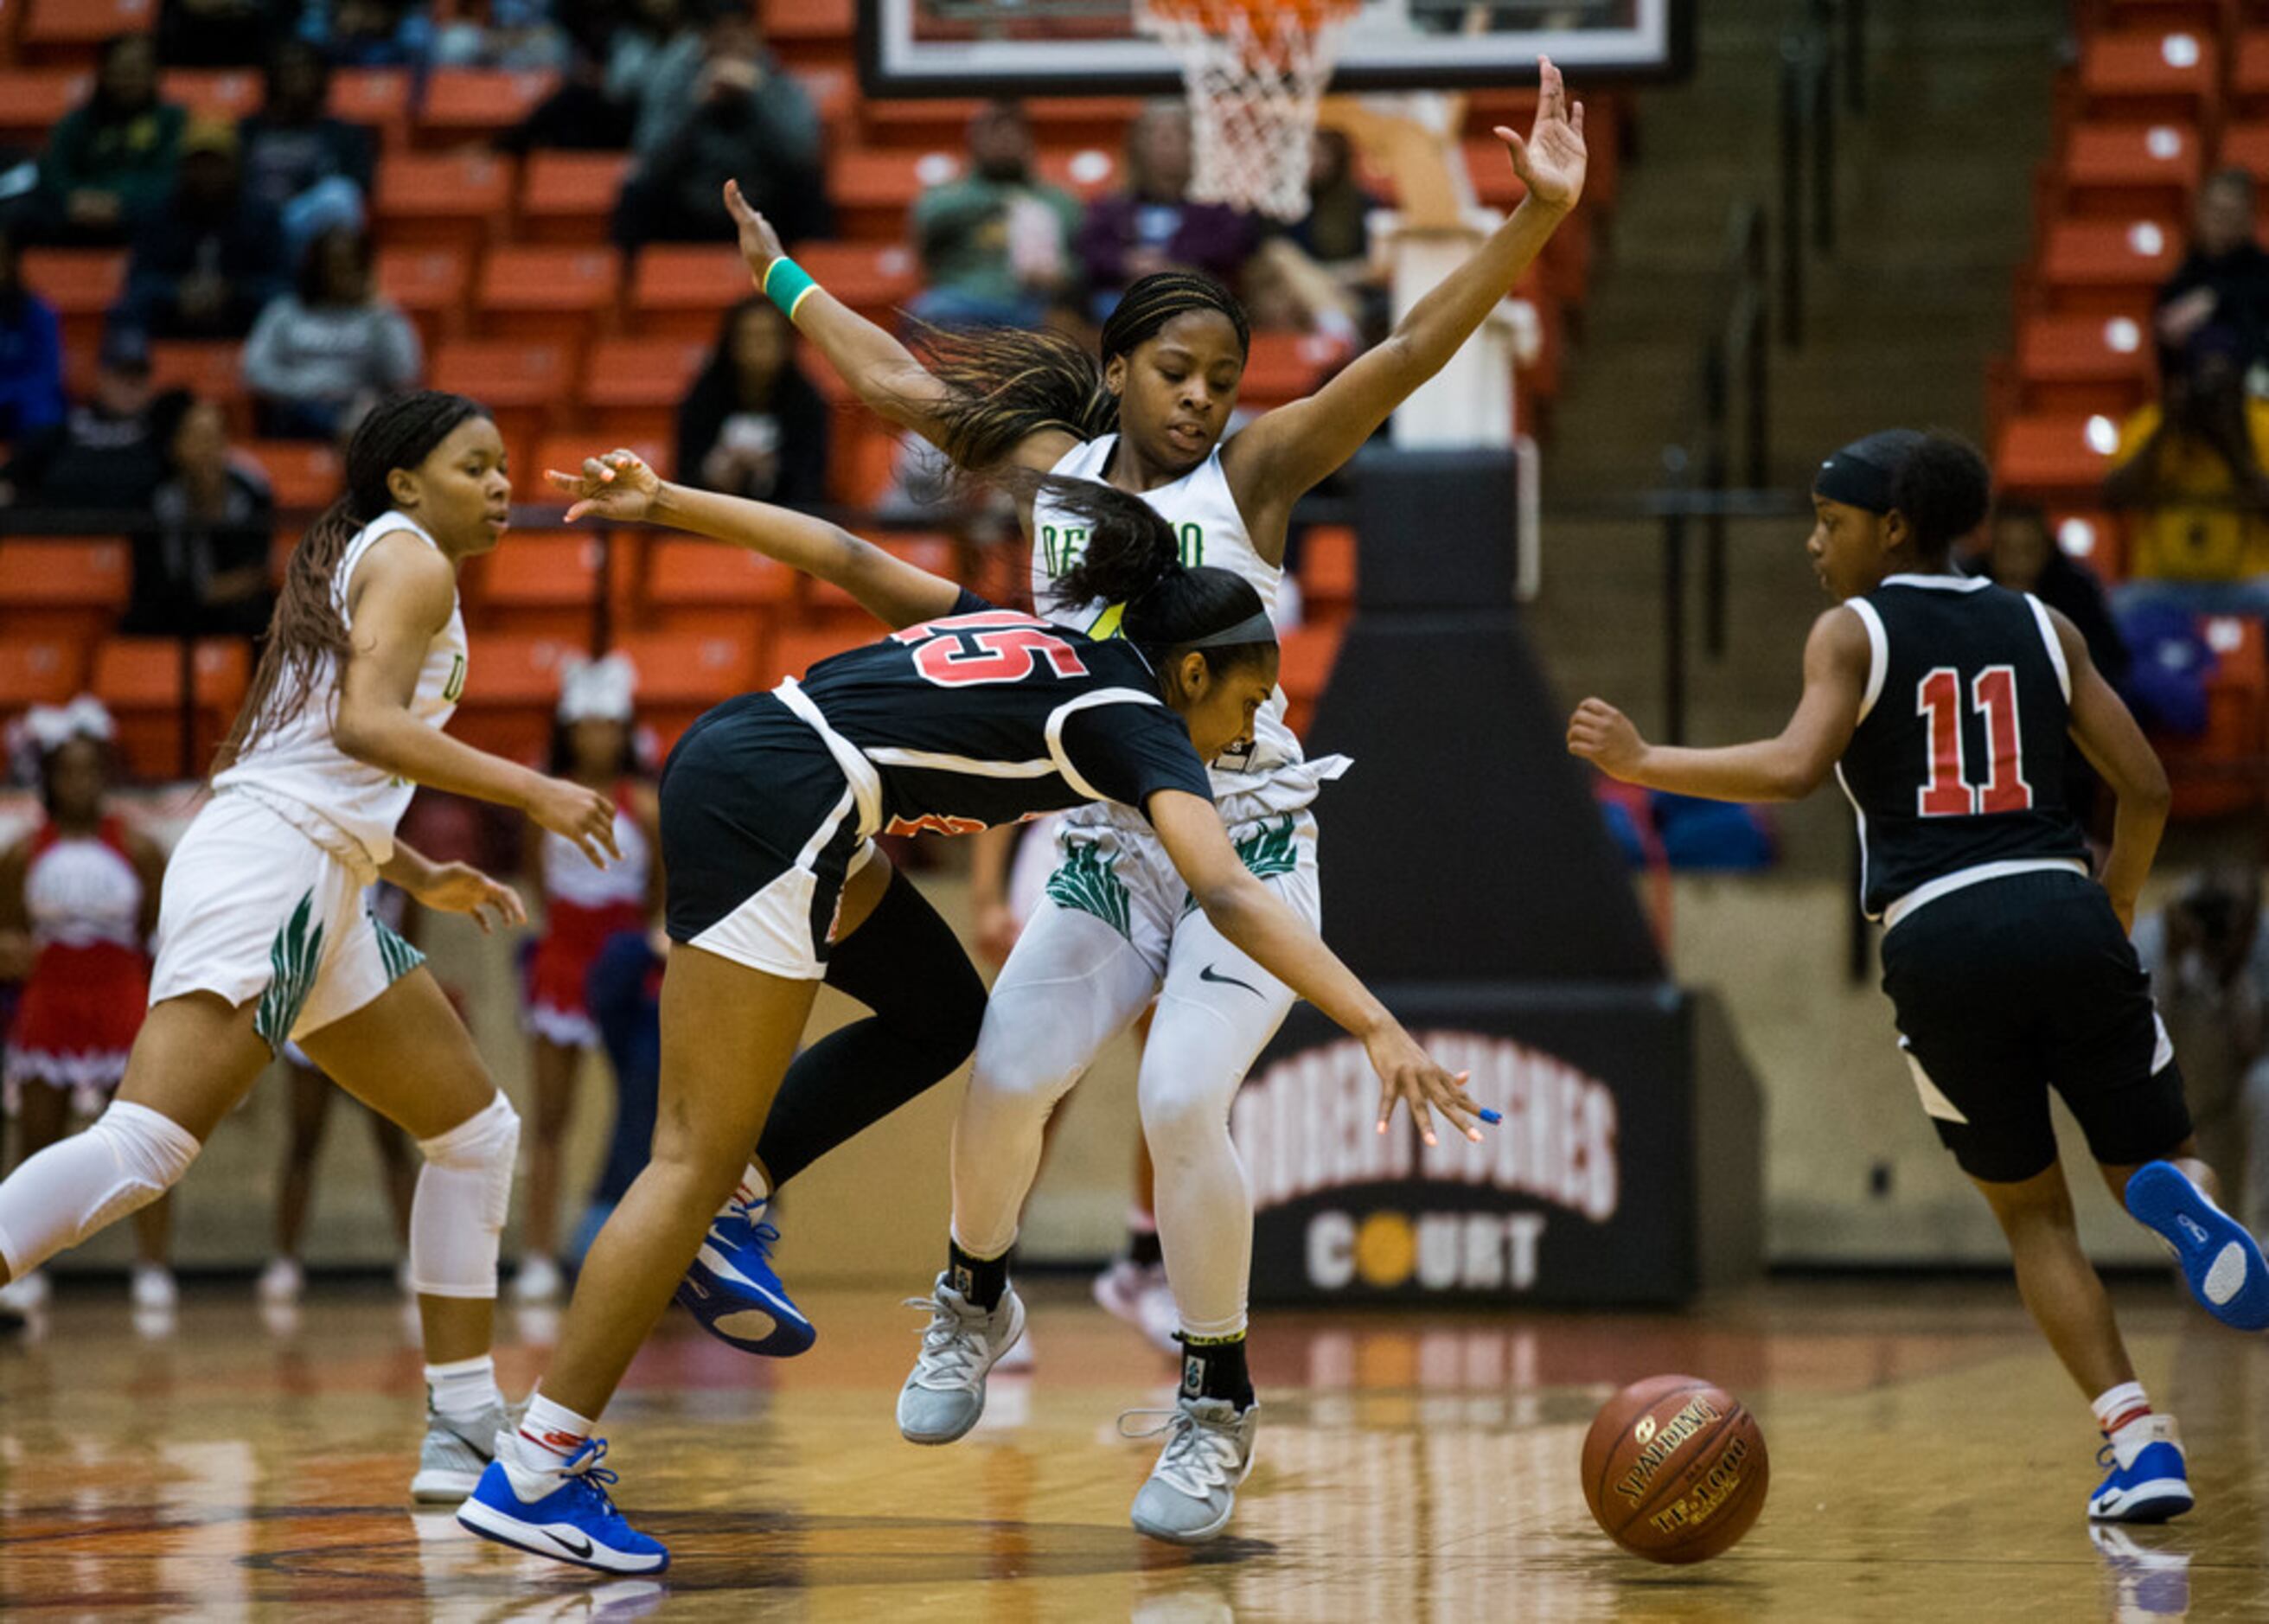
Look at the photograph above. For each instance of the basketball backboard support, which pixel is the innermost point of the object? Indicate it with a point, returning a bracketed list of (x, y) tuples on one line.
[(1074, 48)]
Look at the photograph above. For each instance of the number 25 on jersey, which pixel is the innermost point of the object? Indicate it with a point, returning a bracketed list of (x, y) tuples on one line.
[(1946, 791), (999, 645)]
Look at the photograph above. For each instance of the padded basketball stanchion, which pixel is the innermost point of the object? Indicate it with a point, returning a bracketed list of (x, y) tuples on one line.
[(1470, 879)]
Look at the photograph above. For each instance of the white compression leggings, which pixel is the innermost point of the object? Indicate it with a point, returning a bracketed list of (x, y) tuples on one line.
[(1071, 986)]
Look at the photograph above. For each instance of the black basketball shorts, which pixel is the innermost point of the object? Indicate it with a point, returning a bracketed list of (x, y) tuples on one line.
[(759, 830), (2007, 989)]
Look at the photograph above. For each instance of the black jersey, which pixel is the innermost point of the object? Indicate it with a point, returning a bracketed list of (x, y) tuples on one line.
[(989, 716), (1958, 760)]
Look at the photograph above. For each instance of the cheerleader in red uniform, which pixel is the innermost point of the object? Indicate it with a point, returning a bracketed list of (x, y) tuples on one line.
[(78, 899), (593, 742)]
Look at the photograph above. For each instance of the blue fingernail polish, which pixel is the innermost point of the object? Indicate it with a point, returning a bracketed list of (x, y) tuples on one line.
[(1492, 1117)]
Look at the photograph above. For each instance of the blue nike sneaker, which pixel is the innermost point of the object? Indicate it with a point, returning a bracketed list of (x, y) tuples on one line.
[(2148, 1483), (563, 1513), (2224, 1267), (733, 1290)]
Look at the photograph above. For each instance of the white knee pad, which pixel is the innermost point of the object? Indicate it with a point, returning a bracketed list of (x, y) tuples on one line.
[(76, 1188), (462, 1195)]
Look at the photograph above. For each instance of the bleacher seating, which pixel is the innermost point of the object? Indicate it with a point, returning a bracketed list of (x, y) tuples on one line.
[(506, 267)]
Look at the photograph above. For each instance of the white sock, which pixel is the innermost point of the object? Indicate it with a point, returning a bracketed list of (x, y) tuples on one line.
[(550, 1434), (463, 1388), (752, 1191), (2116, 1407)]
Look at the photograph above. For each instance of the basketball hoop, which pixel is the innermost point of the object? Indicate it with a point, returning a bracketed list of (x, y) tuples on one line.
[(1254, 69)]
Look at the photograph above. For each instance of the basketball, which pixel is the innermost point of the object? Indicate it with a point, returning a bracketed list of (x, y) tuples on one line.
[(1675, 1469)]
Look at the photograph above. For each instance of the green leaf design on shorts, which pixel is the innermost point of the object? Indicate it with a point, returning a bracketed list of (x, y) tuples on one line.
[(293, 957), (399, 957), (1085, 881), (1270, 850)]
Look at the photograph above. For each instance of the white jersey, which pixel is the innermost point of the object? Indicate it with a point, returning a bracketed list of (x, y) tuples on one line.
[(1272, 775), (297, 770)]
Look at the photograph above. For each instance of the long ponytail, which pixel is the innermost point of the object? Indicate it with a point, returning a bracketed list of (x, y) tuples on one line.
[(308, 628), (1133, 559), (1004, 384)]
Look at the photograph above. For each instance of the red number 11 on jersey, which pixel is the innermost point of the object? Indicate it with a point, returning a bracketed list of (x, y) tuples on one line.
[(1949, 793)]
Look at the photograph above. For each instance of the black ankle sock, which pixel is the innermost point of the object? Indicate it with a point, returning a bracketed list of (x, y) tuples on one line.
[(981, 1280), (1214, 1368), (1142, 1248)]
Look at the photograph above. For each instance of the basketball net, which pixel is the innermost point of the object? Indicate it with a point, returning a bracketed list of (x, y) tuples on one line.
[(1254, 70)]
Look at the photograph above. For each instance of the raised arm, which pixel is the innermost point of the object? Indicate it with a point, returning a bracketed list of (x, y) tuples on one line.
[(1786, 768), (620, 487), (1285, 452), (1282, 943), (2106, 733), (401, 596)]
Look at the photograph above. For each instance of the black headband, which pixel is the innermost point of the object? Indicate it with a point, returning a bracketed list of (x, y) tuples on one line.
[(1862, 474)]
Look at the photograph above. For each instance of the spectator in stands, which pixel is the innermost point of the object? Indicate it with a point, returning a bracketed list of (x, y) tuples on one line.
[(2191, 468), (108, 164), (313, 169), (2023, 556), (321, 354), (30, 352), (595, 108), (717, 104), (222, 33), (1151, 225), (752, 425), (209, 262), (518, 34), (996, 244), (201, 569), (2208, 954), (107, 453), (2222, 283), (370, 34)]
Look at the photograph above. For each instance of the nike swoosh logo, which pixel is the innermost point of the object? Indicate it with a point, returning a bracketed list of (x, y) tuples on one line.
[(572, 1547), (1210, 974)]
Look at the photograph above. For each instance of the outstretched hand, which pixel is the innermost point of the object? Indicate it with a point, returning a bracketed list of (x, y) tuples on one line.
[(1552, 161), (1410, 1077), (618, 485), (760, 244), (459, 887)]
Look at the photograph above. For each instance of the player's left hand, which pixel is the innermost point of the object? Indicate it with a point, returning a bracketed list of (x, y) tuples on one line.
[(1604, 736), (618, 485), (1410, 1076), (1552, 161), (460, 888)]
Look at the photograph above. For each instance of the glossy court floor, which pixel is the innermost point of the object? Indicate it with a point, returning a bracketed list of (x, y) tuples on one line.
[(1928, 1462)]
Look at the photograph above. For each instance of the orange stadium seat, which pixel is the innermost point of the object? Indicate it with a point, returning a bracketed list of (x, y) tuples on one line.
[(208, 93), (62, 587), (872, 191), (540, 583), (833, 607), (378, 97), (511, 686), (211, 370), (679, 678), (807, 34), (1308, 653), (568, 196), (2246, 146), (566, 451), (33, 99), (430, 284), (525, 385), (82, 284), (700, 589), (563, 296), (632, 386), (461, 200), (2108, 266), (2249, 76), (2064, 455), (2085, 363), (140, 680), (1284, 366), (2205, 16), (2128, 172), (1327, 555), (680, 291), (799, 648), (2150, 74), (300, 473), (39, 669), (873, 279), (2093, 539), (477, 103), (834, 89), (71, 29)]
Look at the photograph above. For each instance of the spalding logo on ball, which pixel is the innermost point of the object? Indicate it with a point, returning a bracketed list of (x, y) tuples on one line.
[(1675, 1469)]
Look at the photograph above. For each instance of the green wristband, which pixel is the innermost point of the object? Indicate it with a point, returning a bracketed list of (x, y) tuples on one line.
[(788, 284)]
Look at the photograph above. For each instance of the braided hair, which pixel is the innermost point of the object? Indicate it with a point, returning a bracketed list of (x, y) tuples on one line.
[(1134, 559), (1004, 384), (308, 628)]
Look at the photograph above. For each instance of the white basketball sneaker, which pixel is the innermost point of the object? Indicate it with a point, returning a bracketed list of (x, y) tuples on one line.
[(945, 1396), (1192, 1489)]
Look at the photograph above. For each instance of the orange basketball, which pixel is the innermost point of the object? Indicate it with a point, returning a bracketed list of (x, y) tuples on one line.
[(1675, 1469)]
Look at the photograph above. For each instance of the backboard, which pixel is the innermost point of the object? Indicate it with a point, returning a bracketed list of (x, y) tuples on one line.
[(1071, 48)]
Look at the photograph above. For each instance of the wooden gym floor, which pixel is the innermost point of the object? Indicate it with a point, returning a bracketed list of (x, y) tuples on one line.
[(1928, 1461)]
